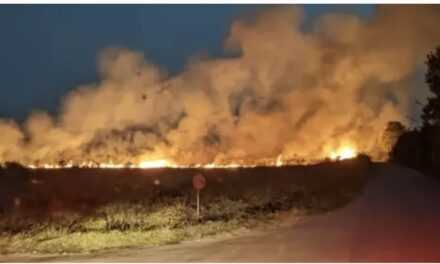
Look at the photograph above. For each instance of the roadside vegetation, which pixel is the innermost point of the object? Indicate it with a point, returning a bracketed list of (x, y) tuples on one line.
[(418, 147), (162, 220)]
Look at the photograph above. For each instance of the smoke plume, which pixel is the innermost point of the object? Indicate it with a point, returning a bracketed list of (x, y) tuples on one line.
[(283, 91)]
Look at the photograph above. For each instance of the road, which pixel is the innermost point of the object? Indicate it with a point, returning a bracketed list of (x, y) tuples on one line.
[(396, 218)]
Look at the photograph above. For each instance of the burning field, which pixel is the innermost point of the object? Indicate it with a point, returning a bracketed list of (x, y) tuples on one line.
[(286, 119), (279, 95), (77, 210)]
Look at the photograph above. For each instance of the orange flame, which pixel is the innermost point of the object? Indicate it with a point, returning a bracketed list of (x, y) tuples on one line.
[(345, 152)]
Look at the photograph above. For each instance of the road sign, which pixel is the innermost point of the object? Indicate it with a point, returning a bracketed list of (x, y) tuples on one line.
[(199, 182)]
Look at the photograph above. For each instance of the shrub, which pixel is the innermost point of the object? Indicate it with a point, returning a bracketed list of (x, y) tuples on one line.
[(140, 216), (225, 209)]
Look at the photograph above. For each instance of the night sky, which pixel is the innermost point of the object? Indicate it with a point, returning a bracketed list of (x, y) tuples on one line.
[(47, 50)]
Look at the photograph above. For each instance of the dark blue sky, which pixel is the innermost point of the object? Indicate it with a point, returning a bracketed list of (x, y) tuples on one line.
[(46, 50)]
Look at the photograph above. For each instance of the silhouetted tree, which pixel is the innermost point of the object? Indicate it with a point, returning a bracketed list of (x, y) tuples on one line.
[(409, 150), (391, 134), (431, 112), (420, 148)]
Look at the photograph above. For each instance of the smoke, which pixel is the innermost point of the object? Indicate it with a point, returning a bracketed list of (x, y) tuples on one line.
[(289, 91)]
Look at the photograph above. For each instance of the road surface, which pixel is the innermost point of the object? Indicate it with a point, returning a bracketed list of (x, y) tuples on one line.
[(396, 218)]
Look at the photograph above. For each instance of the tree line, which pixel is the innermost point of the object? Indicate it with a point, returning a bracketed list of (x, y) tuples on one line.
[(419, 148)]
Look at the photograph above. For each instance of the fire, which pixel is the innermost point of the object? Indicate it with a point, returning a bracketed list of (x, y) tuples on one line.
[(279, 162), (160, 163), (346, 152)]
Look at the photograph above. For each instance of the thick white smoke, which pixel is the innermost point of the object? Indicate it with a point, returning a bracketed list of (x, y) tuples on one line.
[(289, 91)]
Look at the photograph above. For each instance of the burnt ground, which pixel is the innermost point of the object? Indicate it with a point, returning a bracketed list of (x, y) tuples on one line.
[(83, 189), (395, 218)]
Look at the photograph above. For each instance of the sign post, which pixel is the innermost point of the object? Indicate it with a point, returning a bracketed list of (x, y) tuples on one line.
[(198, 204), (199, 182)]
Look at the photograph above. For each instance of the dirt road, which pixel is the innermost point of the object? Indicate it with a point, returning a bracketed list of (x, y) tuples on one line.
[(397, 218)]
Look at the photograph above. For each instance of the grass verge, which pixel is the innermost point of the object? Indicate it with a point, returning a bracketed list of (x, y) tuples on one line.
[(165, 220)]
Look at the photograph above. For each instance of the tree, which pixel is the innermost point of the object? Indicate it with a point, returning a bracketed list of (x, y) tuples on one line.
[(391, 134), (409, 150), (431, 111)]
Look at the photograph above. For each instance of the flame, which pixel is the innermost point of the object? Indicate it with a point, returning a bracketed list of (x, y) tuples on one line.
[(160, 163), (279, 162), (345, 152)]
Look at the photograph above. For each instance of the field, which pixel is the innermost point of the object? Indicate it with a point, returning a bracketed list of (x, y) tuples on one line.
[(85, 210)]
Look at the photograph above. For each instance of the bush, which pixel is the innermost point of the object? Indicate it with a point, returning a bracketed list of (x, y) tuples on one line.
[(141, 216), (364, 160), (225, 209)]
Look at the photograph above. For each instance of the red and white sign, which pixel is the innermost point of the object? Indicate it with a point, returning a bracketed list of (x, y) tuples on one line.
[(199, 182)]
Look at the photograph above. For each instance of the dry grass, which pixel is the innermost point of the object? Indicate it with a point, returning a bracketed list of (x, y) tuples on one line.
[(166, 218), (118, 225)]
